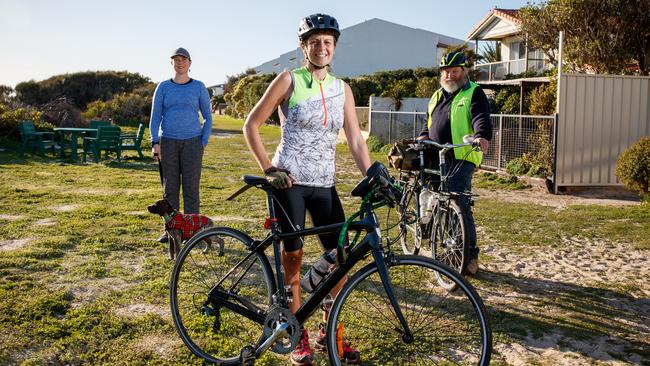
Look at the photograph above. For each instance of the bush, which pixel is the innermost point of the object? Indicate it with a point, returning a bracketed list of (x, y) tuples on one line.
[(518, 166), (128, 109), (426, 86), (246, 93), (633, 167), (80, 88), (534, 165), (543, 98), (374, 145), (399, 89), (506, 101), (10, 120)]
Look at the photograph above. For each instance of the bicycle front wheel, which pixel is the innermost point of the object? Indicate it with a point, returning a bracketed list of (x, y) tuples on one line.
[(219, 290), (446, 328), (450, 238)]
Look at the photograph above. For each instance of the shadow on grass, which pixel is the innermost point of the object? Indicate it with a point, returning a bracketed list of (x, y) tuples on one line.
[(577, 314), (223, 131)]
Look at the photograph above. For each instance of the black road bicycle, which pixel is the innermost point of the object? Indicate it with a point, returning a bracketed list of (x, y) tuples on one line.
[(440, 228), (230, 307)]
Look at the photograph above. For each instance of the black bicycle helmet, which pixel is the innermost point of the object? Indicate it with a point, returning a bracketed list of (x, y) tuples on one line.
[(453, 58), (316, 22)]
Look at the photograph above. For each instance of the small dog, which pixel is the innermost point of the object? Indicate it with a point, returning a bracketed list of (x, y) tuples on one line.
[(180, 227)]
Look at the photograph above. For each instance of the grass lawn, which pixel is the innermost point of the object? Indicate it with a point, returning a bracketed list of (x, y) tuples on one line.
[(82, 280)]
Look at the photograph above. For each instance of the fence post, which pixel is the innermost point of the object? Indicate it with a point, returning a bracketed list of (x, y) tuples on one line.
[(390, 125), (555, 136), (414, 123), (500, 141)]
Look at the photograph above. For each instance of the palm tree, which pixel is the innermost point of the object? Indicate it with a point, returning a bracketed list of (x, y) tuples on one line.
[(491, 52)]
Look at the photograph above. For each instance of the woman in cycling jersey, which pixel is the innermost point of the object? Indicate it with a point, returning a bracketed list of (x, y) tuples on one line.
[(313, 106)]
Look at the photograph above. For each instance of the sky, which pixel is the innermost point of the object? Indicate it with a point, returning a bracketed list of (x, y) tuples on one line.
[(43, 38)]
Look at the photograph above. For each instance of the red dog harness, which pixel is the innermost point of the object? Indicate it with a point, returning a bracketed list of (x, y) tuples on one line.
[(188, 224)]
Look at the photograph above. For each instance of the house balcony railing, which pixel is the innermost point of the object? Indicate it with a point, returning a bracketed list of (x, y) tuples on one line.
[(499, 70)]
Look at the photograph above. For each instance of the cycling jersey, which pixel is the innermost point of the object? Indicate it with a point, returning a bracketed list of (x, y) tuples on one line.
[(313, 116)]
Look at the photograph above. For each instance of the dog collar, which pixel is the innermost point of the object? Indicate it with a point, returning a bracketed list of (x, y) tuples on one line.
[(170, 217)]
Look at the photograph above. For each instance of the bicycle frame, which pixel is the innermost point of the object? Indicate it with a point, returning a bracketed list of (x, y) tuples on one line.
[(371, 243)]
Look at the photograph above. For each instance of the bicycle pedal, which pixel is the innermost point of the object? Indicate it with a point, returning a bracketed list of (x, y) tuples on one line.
[(247, 356)]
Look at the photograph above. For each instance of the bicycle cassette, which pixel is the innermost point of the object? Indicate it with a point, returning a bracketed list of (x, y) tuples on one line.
[(287, 338)]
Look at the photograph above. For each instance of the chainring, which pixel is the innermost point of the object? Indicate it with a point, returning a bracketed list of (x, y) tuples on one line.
[(275, 316)]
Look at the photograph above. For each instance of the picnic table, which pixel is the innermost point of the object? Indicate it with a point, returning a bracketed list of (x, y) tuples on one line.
[(75, 133)]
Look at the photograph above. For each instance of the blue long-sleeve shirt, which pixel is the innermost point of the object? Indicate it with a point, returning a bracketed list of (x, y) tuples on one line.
[(174, 111)]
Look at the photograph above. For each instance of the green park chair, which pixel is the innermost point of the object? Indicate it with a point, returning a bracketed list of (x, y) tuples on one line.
[(37, 141), (133, 141), (95, 124), (107, 140)]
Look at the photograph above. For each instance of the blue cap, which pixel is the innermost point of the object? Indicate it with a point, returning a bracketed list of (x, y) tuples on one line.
[(180, 51)]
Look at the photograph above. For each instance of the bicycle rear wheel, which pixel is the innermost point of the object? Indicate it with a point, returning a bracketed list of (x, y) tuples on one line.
[(211, 290), (450, 238), (408, 214), (448, 329)]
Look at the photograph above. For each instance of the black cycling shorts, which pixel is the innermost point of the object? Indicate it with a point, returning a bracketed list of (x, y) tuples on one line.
[(323, 205)]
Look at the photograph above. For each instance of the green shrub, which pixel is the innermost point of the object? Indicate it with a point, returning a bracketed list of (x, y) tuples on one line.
[(426, 86), (125, 109), (398, 90), (374, 145), (534, 165), (543, 98), (633, 167), (518, 166), (10, 119), (81, 88), (246, 93)]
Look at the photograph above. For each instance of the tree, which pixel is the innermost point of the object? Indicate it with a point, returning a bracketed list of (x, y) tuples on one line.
[(426, 86), (604, 36), (5, 94), (80, 88), (246, 92), (233, 79), (490, 52)]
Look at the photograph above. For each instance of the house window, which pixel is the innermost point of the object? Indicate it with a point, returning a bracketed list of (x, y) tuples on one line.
[(517, 50)]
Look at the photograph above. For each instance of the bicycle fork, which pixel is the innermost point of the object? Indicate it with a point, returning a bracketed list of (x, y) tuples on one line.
[(382, 268)]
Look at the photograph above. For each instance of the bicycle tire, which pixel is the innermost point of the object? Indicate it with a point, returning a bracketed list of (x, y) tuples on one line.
[(447, 328), (410, 233), (450, 238), (210, 331)]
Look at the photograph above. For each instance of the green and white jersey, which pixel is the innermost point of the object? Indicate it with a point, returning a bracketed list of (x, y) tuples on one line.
[(313, 118)]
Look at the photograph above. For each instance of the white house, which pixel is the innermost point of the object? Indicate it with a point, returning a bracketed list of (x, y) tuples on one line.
[(502, 27), (375, 45), (217, 89)]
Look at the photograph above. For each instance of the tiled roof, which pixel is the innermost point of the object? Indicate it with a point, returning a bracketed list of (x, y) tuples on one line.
[(510, 14)]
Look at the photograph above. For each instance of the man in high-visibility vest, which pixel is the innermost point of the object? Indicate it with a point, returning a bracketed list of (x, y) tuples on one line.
[(459, 108)]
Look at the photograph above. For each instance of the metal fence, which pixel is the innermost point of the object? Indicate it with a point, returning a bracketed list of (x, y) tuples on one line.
[(516, 135), (512, 135), (390, 126)]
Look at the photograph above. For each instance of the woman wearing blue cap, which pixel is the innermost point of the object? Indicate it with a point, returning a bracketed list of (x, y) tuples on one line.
[(178, 136)]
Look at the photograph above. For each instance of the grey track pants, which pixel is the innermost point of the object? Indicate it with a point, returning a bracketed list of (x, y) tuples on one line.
[(181, 161)]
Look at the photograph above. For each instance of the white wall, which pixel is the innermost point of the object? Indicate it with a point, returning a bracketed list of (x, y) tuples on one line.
[(371, 46)]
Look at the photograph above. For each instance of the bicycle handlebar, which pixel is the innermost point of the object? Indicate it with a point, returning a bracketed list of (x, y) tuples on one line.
[(446, 146)]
